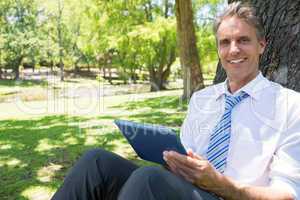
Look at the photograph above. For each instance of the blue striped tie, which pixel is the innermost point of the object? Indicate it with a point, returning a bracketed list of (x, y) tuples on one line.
[(220, 138)]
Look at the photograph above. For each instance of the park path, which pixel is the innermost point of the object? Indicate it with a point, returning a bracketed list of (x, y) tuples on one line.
[(75, 96), (90, 105)]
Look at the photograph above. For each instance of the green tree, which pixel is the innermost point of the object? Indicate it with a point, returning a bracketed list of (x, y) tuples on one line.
[(20, 33), (136, 33), (153, 47)]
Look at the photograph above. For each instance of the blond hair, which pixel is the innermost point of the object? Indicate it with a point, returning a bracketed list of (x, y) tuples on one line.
[(243, 11)]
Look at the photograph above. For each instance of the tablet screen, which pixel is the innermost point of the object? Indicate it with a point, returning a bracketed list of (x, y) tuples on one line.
[(149, 141)]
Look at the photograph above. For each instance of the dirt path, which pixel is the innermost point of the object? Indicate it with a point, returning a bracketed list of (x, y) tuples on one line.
[(73, 88)]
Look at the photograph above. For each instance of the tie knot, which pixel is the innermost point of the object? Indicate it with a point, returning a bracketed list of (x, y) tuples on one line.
[(232, 101)]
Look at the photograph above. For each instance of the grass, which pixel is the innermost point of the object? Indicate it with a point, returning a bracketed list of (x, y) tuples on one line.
[(36, 151), (23, 83), (9, 89)]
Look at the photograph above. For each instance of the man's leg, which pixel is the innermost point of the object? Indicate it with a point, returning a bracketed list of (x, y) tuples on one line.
[(98, 175), (155, 183)]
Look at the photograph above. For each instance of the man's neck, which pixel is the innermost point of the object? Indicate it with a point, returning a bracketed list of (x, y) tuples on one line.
[(234, 84)]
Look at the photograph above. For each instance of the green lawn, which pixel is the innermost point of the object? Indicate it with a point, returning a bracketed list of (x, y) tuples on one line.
[(36, 151), (23, 83)]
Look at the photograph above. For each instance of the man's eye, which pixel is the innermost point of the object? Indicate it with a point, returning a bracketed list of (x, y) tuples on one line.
[(224, 42), (244, 40)]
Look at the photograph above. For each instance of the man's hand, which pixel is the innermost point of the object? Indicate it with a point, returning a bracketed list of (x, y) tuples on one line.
[(194, 169), (201, 173)]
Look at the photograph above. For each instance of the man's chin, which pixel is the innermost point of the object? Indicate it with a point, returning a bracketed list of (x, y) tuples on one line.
[(236, 65)]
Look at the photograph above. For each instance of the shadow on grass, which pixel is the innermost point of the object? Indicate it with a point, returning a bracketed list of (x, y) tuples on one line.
[(159, 118), (23, 83), (165, 110), (39, 152)]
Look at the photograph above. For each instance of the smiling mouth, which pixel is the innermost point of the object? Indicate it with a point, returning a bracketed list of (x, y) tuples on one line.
[(236, 61)]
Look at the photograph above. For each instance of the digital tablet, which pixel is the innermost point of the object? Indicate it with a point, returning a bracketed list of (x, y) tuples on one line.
[(150, 141)]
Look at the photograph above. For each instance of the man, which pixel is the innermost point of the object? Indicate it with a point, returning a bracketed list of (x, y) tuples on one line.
[(243, 136)]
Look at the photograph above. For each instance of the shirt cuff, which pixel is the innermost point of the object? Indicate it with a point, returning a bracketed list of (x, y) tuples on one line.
[(286, 185)]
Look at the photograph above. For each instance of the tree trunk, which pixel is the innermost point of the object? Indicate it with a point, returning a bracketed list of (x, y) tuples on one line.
[(104, 71), (59, 31), (189, 57), (16, 67), (133, 76), (153, 81), (52, 66), (110, 75), (166, 11), (0, 64), (159, 77), (148, 11), (125, 80), (280, 61), (61, 66), (157, 80), (76, 67), (220, 74)]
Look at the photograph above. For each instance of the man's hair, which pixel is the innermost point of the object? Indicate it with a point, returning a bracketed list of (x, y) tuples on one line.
[(243, 11)]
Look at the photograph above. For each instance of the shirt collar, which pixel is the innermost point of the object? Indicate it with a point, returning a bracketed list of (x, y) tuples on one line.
[(251, 88)]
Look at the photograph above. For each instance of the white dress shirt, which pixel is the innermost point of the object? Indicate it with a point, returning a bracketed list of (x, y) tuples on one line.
[(265, 132)]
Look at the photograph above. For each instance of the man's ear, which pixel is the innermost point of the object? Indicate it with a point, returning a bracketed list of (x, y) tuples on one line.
[(263, 45)]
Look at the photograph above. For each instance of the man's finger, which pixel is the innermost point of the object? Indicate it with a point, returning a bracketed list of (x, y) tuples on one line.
[(184, 160), (186, 176), (183, 168)]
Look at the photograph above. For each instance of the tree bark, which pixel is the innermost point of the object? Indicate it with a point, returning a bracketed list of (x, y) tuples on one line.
[(159, 77), (166, 10), (59, 32), (16, 67), (158, 80), (148, 11), (189, 57), (280, 61)]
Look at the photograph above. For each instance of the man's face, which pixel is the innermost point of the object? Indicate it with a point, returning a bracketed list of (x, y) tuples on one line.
[(239, 49)]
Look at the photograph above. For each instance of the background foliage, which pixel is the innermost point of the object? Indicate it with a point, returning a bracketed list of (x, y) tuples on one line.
[(133, 39)]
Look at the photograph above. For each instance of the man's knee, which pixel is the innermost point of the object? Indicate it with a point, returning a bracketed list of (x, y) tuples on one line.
[(146, 182), (92, 158), (93, 154), (105, 161), (148, 170), (150, 174)]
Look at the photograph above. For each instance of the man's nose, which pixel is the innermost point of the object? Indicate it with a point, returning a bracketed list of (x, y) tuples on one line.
[(234, 48)]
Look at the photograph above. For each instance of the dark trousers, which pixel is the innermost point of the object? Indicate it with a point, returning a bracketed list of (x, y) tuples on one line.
[(102, 175)]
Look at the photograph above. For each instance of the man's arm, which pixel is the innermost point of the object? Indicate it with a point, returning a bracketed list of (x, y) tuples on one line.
[(200, 172), (232, 190)]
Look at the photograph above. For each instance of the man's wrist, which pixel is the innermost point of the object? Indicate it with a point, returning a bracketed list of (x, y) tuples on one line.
[(229, 189), (232, 190)]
